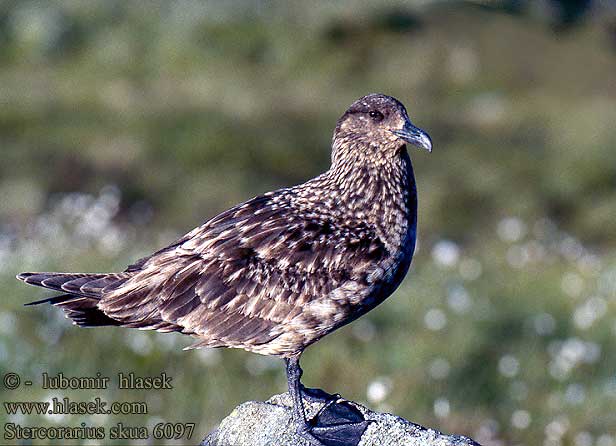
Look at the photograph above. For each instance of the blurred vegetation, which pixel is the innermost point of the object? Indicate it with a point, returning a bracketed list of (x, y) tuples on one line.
[(126, 124)]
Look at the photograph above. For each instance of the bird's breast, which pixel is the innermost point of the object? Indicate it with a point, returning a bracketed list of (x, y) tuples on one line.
[(398, 226)]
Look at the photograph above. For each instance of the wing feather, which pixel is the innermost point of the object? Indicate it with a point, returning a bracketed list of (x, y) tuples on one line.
[(236, 279)]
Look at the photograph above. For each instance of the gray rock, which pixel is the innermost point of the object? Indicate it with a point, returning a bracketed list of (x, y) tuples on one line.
[(269, 423)]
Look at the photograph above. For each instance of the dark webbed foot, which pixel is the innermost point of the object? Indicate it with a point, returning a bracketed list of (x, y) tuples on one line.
[(345, 434), (318, 395), (338, 422), (337, 412)]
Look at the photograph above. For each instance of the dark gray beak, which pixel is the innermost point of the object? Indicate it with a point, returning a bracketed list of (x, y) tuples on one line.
[(414, 135)]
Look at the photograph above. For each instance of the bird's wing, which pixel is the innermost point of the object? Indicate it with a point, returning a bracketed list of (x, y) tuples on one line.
[(235, 280)]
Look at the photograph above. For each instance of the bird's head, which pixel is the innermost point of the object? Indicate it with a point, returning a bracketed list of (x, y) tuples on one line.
[(379, 124)]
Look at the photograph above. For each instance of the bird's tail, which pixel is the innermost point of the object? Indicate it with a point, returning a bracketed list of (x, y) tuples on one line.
[(82, 291)]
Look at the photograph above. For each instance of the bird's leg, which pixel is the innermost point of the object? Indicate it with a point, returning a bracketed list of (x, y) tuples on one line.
[(294, 374), (335, 424)]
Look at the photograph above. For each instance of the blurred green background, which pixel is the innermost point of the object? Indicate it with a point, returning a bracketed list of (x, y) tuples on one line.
[(125, 124)]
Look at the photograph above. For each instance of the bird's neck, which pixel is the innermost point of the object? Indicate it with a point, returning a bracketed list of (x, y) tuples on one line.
[(380, 192)]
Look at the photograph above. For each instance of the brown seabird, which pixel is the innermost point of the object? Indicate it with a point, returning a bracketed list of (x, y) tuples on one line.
[(278, 272)]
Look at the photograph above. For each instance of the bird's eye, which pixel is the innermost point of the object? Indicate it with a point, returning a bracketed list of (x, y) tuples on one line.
[(376, 115)]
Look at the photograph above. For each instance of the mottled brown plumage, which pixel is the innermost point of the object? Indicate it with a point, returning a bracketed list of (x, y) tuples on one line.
[(280, 271)]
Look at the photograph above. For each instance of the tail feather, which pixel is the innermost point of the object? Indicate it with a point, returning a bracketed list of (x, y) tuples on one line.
[(83, 311), (82, 284), (83, 294), (55, 300)]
